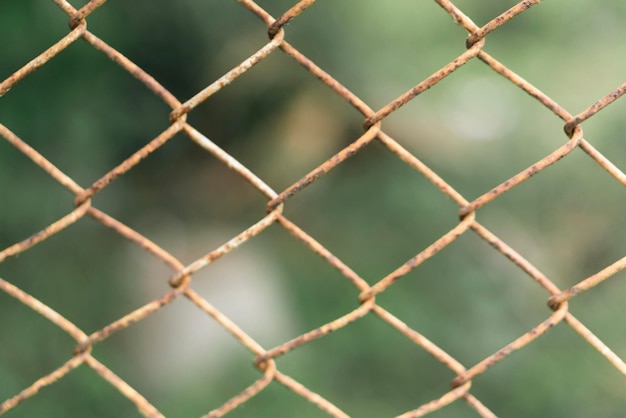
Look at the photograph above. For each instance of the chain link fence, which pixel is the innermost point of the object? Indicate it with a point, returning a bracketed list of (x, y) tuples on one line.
[(181, 280)]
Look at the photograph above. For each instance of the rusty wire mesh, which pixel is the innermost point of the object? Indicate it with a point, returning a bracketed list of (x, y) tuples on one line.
[(181, 280)]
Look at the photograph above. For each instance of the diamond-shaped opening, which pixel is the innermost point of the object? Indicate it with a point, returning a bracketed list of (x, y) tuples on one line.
[(31, 198), (559, 374), (181, 185), (377, 49), (373, 211), (26, 31), (278, 120), (32, 346), (546, 49), (357, 368), (471, 129), (82, 392), (189, 45), (83, 112), (468, 299), (569, 219)]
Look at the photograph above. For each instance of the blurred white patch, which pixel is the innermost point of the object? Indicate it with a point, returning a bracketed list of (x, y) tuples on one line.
[(481, 110), (180, 343)]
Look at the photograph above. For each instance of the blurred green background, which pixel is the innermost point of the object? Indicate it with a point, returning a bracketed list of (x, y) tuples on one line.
[(475, 129)]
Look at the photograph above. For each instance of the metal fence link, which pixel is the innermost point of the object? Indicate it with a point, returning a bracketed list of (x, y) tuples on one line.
[(264, 359)]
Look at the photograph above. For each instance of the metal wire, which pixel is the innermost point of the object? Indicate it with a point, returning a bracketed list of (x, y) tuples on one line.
[(180, 281)]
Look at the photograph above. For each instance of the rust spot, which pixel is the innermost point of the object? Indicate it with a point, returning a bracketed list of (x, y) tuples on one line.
[(458, 381), (82, 347)]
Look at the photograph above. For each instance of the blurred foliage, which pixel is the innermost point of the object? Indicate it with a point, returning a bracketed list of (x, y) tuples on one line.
[(86, 115)]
